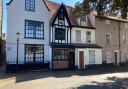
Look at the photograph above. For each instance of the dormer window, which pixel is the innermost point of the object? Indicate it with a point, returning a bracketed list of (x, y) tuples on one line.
[(30, 5), (83, 20)]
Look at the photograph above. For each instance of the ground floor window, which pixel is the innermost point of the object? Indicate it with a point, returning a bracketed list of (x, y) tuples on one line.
[(91, 56), (34, 53), (108, 57), (61, 54)]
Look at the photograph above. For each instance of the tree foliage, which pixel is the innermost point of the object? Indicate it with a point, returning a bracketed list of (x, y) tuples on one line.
[(103, 7)]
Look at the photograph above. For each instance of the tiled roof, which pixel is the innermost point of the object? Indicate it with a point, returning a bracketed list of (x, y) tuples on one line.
[(53, 6)]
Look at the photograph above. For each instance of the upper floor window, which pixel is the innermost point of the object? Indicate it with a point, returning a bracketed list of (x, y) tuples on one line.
[(34, 29), (88, 37), (78, 36), (59, 34), (30, 5), (108, 38), (83, 20), (124, 39)]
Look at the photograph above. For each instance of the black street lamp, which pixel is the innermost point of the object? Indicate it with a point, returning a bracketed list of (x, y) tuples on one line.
[(17, 36)]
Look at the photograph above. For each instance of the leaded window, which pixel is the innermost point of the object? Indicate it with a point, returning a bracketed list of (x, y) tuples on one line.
[(34, 29), (34, 53), (61, 54), (60, 34), (30, 5)]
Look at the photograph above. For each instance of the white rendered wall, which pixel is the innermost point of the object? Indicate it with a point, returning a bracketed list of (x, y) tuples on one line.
[(16, 16), (83, 35), (98, 56)]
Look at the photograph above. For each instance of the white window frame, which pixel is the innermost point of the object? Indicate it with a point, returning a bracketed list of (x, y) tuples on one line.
[(87, 37), (92, 58), (124, 39), (106, 38), (78, 38), (108, 57)]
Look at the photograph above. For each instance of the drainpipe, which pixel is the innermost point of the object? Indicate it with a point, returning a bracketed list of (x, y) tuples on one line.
[(119, 33)]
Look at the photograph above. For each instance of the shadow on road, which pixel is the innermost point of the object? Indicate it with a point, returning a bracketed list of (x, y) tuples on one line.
[(33, 75), (117, 83)]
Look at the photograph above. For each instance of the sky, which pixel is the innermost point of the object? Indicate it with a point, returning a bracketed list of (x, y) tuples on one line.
[(66, 2)]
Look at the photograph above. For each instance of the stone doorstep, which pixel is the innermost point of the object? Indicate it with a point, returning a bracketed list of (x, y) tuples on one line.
[(4, 82)]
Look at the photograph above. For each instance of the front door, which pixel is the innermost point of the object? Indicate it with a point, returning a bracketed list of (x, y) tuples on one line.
[(116, 58), (81, 59)]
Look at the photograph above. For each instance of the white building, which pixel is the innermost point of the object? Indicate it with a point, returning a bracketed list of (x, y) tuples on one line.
[(50, 35), (31, 19)]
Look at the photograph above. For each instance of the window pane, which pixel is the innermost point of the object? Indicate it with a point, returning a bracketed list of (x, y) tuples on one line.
[(34, 53), (61, 54), (88, 37), (59, 34), (34, 29), (91, 56), (78, 36), (29, 53), (108, 38), (30, 5)]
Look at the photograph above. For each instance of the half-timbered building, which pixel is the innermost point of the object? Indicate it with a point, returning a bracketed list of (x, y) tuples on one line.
[(72, 39), (50, 33)]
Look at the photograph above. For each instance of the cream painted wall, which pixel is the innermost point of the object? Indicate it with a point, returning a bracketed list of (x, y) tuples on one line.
[(98, 56), (83, 35), (16, 16)]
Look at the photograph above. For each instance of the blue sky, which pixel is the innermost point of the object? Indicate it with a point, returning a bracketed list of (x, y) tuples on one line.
[(67, 2)]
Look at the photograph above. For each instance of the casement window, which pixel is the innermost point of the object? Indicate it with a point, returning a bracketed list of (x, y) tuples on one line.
[(124, 39), (34, 29), (61, 54), (88, 37), (83, 20), (34, 53), (60, 34), (30, 5), (108, 57), (108, 38), (91, 56), (78, 36)]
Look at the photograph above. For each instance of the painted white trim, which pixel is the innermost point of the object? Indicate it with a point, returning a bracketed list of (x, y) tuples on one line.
[(79, 59), (110, 38)]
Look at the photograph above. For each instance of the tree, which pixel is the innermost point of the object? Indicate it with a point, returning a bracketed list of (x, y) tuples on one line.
[(103, 7)]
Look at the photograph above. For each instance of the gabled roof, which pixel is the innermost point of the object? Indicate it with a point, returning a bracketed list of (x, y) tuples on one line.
[(42, 0), (53, 18), (54, 7)]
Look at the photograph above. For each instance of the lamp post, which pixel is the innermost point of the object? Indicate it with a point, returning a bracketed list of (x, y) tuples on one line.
[(17, 36)]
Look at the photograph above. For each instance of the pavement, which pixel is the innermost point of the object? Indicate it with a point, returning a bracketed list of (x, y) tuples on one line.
[(103, 78)]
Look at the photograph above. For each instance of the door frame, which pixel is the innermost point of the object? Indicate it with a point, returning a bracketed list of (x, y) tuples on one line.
[(117, 61), (79, 57)]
